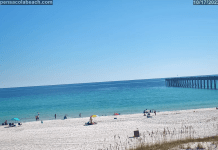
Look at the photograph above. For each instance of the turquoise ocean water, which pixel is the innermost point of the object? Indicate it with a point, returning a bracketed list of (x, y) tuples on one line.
[(105, 98)]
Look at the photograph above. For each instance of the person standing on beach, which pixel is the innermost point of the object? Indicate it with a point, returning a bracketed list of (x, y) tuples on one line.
[(90, 120), (80, 115), (37, 117), (155, 112), (55, 116)]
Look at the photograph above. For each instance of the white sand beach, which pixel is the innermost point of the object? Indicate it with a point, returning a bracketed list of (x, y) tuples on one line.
[(110, 133)]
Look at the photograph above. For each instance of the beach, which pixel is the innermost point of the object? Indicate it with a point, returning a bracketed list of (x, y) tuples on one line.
[(110, 133)]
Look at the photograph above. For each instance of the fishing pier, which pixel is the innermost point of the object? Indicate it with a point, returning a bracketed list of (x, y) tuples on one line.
[(200, 82)]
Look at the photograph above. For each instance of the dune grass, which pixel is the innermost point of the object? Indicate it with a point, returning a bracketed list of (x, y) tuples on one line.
[(178, 144)]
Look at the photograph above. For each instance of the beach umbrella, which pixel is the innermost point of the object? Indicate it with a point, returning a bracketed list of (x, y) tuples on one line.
[(94, 116), (15, 119)]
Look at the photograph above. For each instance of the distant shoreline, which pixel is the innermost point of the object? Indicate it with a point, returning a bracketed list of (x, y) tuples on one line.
[(158, 112)]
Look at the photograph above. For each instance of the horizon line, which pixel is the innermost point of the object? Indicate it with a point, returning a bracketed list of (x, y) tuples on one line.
[(103, 81)]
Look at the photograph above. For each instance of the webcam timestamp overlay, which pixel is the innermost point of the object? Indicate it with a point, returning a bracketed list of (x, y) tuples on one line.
[(205, 2)]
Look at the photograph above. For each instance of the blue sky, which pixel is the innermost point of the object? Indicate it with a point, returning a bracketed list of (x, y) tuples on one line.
[(81, 41)]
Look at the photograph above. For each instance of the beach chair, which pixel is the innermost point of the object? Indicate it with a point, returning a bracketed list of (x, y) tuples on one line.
[(149, 116), (88, 124), (19, 123), (3, 124), (11, 125)]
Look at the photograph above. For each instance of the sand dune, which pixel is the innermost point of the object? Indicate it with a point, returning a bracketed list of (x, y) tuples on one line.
[(110, 133)]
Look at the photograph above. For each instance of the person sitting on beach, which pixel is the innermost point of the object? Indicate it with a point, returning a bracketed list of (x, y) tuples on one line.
[(65, 117), (90, 121), (144, 113)]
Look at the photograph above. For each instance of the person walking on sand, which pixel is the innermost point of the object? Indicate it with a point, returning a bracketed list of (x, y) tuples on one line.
[(55, 116), (155, 112)]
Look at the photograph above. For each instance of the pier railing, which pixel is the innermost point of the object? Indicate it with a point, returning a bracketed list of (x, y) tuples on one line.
[(200, 82)]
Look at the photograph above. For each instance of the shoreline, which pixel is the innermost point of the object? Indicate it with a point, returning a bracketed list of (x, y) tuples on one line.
[(23, 120), (109, 132)]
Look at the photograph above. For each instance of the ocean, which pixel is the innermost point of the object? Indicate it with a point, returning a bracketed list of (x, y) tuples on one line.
[(102, 98)]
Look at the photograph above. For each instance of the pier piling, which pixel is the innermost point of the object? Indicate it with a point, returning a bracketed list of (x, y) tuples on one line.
[(193, 82)]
